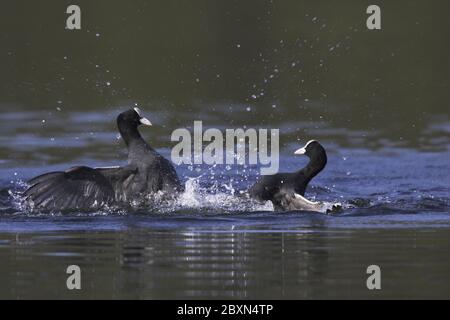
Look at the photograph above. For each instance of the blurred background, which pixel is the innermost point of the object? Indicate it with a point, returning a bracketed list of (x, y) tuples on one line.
[(296, 65)]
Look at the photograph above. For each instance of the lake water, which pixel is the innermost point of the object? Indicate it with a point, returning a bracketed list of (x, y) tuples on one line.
[(212, 242)]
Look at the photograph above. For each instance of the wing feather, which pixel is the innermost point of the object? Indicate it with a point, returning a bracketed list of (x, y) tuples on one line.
[(76, 188), (121, 178)]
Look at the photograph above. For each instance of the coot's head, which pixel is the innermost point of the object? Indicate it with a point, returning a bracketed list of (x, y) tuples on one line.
[(132, 118), (313, 150)]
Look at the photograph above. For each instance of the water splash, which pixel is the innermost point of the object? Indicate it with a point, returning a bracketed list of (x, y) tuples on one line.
[(204, 199), (203, 196), (214, 198)]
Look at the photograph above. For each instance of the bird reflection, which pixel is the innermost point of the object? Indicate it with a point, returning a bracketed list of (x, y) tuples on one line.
[(224, 263)]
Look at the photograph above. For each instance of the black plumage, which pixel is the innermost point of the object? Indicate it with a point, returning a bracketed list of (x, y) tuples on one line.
[(286, 190), (147, 172)]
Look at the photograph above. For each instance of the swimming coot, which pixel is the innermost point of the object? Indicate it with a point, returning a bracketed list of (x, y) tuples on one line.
[(286, 190), (82, 187)]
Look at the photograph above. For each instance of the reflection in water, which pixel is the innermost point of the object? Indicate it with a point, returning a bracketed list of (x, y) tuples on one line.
[(155, 264), (234, 265)]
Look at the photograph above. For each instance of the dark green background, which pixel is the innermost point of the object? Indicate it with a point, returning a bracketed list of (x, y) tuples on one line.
[(191, 55)]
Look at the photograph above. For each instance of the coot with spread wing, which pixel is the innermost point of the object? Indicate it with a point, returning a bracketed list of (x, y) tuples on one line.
[(83, 187)]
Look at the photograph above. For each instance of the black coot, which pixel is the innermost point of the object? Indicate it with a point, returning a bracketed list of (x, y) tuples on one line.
[(286, 190), (89, 188)]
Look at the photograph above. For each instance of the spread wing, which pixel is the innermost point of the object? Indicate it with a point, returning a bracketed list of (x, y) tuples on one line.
[(76, 188), (127, 182), (122, 179)]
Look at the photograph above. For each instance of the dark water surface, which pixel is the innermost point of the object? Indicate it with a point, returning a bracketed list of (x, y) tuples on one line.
[(314, 261), (377, 100), (213, 242)]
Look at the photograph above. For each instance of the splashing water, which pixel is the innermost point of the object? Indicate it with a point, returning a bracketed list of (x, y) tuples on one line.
[(210, 199), (195, 198), (382, 183)]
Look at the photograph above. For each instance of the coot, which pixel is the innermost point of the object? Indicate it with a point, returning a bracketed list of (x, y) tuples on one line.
[(83, 187), (286, 190)]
